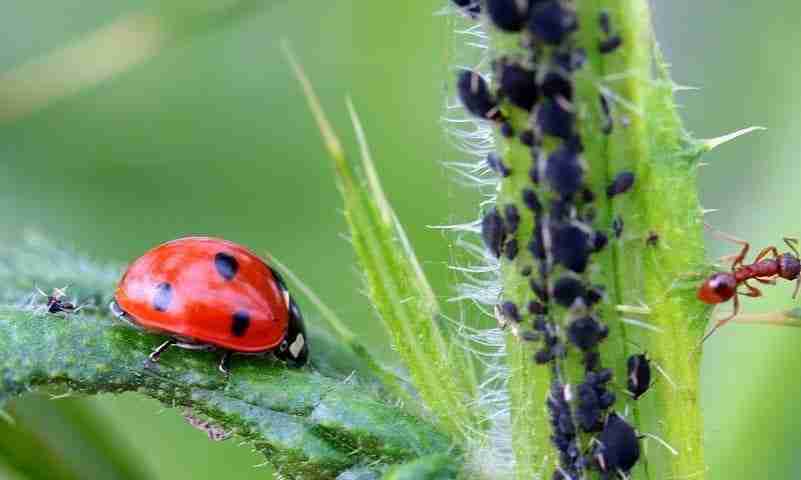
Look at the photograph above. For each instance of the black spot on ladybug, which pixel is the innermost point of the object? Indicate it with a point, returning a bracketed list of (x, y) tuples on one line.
[(226, 265), (551, 22), (240, 322), (621, 184), (564, 171), (609, 45), (639, 375), (475, 95), (163, 297), (508, 15), (619, 446), (517, 84)]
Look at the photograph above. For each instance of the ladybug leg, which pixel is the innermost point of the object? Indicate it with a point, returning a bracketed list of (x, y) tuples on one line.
[(156, 354), (225, 363)]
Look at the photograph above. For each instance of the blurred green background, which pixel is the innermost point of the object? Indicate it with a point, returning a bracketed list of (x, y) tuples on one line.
[(212, 136)]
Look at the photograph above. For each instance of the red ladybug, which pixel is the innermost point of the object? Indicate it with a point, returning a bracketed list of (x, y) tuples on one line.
[(207, 294)]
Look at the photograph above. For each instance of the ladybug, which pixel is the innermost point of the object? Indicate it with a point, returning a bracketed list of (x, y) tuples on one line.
[(211, 294)]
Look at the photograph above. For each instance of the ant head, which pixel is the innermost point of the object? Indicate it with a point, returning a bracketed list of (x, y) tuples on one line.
[(718, 288)]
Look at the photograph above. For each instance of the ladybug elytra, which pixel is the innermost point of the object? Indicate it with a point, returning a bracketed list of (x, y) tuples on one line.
[(211, 294)]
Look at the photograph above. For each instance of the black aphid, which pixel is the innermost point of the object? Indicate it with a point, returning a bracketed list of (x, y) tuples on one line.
[(561, 209), (555, 84), (512, 217), (496, 164), (551, 22), (493, 232), (525, 271), (567, 289), (585, 332), (621, 184), (653, 239), (605, 22), (528, 138), (543, 356), (594, 295), (608, 122), (536, 246), (570, 60), (534, 171), (609, 45), (599, 241), (639, 375), (470, 7), (516, 83), (617, 226), (606, 399), (536, 308), (529, 336), (508, 15), (570, 247), (511, 249), (507, 130), (564, 171), (589, 409), (619, 446), (475, 95), (539, 290), (555, 118), (510, 312), (531, 201)]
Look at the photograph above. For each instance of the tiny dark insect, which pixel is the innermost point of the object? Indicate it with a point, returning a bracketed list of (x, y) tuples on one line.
[(555, 117), (552, 21), (722, 286), (512, 217), (653, 239), (621, 184), (586, 332), (564, 171), (470, 8), (511, 248), (610, 44), (528, 138), (608, 122), (571, 247), (516, 83), (507, 15), (556, 84), (567, 290), (531, 201), (493, 231), (476, 97), (495, 163), (617, 226), (56, 303), (639, 375), (619, 446)]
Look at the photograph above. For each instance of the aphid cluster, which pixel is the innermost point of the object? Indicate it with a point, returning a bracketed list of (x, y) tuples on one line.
[(562, 240)]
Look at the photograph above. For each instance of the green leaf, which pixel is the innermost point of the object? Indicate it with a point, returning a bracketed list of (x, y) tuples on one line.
[(310, 425), (396, 284)]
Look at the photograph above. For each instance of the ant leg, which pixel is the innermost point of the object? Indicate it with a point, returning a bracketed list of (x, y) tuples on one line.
[(793, 244), (767, 281), (154, 356), (724, 321), (752, 290), (764, 253), (738, 259)]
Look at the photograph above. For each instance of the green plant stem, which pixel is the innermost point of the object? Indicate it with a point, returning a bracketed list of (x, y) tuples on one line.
[(310, 425), (649, 141)]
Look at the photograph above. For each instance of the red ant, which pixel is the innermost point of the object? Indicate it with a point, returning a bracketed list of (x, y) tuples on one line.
[(722, 286)]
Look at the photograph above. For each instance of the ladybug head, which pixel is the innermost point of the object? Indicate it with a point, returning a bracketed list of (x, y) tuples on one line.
[(294, 350), (718, 288)]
